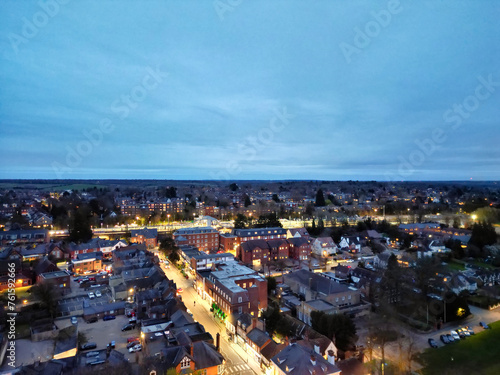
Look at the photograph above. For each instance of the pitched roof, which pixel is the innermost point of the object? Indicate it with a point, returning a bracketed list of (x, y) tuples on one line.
[(298, 360), (258, 337), (205, 355)]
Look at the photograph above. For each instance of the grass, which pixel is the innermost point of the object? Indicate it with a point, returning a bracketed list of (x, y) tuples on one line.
[(454, 266), (476, 354)]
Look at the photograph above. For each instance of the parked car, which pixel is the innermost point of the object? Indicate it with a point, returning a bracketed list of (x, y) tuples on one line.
[(92, 320), (444, 339), (88, 346), (128, 327), (98, 293), (108, 317), (484, 325), (455, 335), (91, 295), (133, 320), (135, 348), (131, 344), (74, 320), (133, 339), (470, 330), (179, 290), (450, 338), (432, 343)]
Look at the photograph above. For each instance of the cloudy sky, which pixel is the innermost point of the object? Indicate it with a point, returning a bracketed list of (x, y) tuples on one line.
[(240, 89)]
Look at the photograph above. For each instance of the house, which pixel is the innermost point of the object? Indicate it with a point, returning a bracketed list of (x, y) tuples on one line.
[(382, 260), (352, 244), (254, 252), (198, 356), (298, 360), (437, 247), (297, 233), (257, 340), (147, 236), (458, 283), (88, 262), (299, 248), (324, 247), (312, 286), (41, 220)]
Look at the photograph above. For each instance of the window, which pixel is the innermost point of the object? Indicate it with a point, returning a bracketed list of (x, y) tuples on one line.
[(240, 299), (185, 363)]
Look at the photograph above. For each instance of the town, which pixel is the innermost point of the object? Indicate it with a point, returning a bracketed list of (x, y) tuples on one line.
[(246, 277)]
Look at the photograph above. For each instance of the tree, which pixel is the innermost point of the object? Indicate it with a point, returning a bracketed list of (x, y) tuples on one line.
[(320, 199), (271, 284), (267, 221), (276, 198), (247, 200), (233, 187), (338, 327), (80, 230), (170, 250), (483, 234), (241, 222), (45, 294)]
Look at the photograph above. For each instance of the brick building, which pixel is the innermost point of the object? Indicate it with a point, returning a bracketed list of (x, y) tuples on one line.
[(147, 236), (204, 238), (299, 248), (59, 280)]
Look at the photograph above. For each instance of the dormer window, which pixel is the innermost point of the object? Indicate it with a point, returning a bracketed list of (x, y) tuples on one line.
[(185, 363)]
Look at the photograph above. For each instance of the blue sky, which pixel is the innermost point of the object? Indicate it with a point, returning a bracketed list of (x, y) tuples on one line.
[(254, 90)]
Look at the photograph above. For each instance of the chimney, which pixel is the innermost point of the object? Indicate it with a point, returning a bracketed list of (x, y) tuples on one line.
[(191, 349), (313, 360), (316, 349), (331, 357), (217, 341)]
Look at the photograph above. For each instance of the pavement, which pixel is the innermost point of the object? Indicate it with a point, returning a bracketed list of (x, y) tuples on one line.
[(238, 361)]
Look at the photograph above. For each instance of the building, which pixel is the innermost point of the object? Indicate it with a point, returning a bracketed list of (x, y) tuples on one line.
[(59, 280), (351, 244), (199, 357), (204, 238), (324, 247), (228, 243), (147, 236), (232, 288), (17, 237), (312, 286), (87, 262), (296, 359), (297, 233), (299, 248), (245, 235)]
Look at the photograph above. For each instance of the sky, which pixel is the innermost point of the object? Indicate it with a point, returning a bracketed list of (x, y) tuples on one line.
[(240, 89)]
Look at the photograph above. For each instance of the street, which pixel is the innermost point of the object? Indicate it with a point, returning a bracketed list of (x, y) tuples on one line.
[(237, 360)]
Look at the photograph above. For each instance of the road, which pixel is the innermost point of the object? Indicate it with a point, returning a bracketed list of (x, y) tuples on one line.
[(237, 360)]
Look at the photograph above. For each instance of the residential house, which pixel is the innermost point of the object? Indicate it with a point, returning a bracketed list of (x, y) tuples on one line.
[(147, 236), (299, 360), (324, 247), (59, 280), (297, 233), (87, 262), (351, 243), (299, 248)]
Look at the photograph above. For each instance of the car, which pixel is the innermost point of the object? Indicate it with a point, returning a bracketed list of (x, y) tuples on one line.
[(179, 290), (98, 293), (450, 338), (131, 344), (133, 339), (470, 330), (465, 331), (135, 348), (108, 317), (432, 343), (88, 346), (444, 339), (92, 319), (130, 313), (484, 325), (133, 320), (91, 295), (128, 327), (74, 320), (455, 335), (91, 354)]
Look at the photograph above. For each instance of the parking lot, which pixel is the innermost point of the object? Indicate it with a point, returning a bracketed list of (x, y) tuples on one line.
[(102, 332)]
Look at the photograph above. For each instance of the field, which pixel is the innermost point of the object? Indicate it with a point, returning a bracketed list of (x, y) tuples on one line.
[(476, 354)]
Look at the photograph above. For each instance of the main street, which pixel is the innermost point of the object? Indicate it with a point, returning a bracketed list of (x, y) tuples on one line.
[(237, 360)]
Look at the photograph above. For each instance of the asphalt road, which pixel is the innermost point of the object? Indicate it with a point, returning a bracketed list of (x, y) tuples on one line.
[(237, 360)]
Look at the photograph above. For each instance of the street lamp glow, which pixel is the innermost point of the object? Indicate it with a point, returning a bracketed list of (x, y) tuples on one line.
[(474, 217)]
